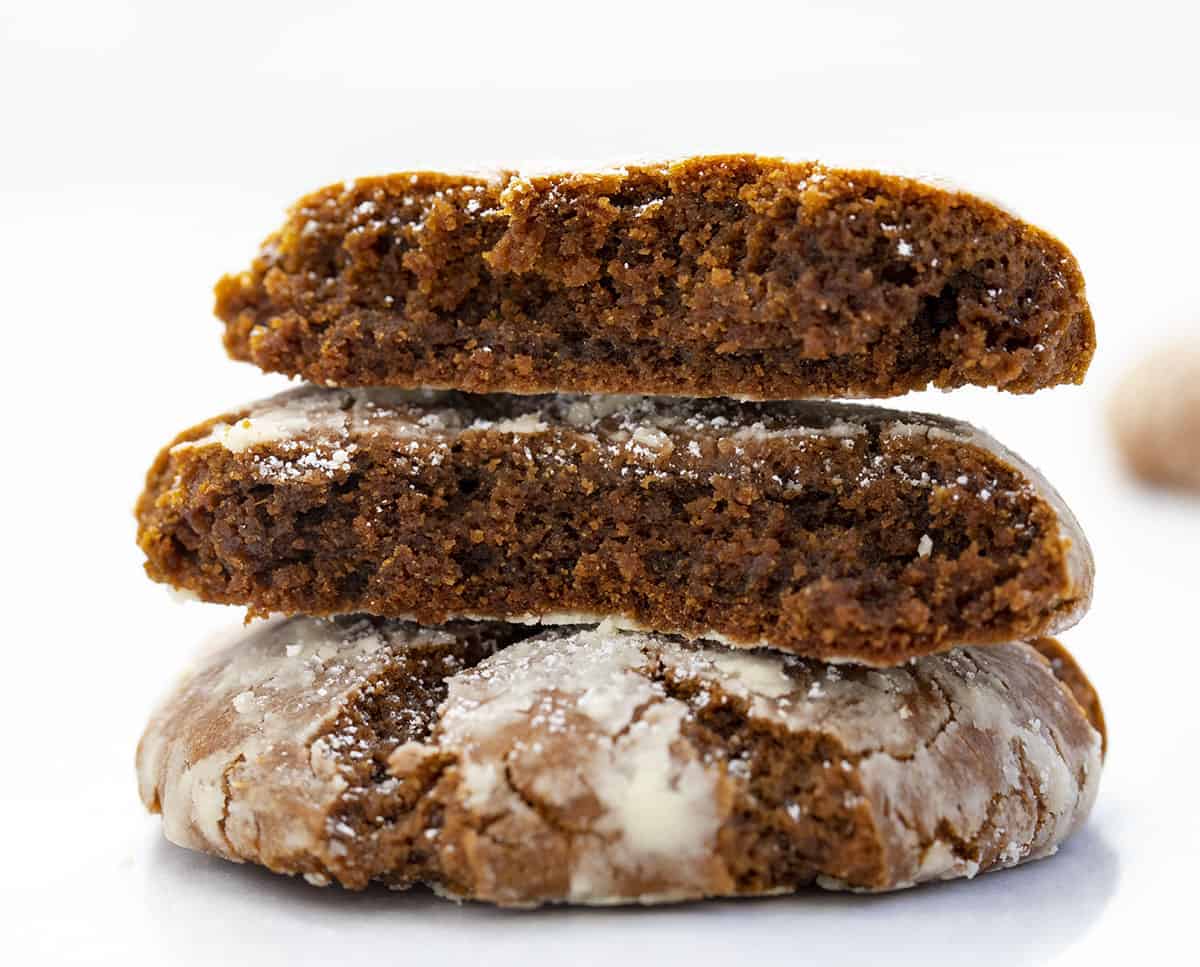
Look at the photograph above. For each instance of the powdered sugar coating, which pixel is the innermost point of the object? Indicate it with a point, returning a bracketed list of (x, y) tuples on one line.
[(602, 731), (580, 747), (315, 413)]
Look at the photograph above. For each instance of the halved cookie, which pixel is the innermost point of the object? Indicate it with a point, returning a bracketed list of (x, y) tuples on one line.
[(833, 531), (599, 766), (718, 276)]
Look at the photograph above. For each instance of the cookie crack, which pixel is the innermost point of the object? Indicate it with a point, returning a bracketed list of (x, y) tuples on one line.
[(635, 717), (539, 808), (226, 797), (1039, 799), (924, 744)]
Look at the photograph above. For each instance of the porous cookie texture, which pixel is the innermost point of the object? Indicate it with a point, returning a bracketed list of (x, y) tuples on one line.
[(1155, 417), (598, 766), (831, 530), (714, 276)]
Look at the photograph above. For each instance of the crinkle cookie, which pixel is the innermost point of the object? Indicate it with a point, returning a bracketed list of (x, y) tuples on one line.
[(1155, 417), (720, 276), (829, 530), (598, 766)]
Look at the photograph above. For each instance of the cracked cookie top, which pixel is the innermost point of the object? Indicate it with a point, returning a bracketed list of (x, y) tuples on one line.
[(592, 765)]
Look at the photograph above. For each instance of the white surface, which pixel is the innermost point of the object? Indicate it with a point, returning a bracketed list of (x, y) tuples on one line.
[(148, 146)]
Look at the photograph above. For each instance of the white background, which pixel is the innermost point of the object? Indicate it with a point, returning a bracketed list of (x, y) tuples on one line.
[(145, 147)]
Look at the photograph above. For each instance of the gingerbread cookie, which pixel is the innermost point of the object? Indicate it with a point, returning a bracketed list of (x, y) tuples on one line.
[(830, 530), (1155, 416), (596, 766), (721, 276)]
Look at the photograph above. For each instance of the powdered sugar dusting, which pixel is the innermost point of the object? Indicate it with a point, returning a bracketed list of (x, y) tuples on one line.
[(586, 691), (982, 754)]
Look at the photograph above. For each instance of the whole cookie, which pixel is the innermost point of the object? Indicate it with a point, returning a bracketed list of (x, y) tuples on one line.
[(1155, 416), (597, 766)]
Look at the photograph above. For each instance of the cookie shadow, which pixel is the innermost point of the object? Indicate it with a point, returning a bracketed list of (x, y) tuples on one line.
[(204, 908)]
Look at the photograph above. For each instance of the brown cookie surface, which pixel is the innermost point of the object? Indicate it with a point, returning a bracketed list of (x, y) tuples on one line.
[(1066, 669), (831, 530), (734, 275), (1155, 417), (590, 765)]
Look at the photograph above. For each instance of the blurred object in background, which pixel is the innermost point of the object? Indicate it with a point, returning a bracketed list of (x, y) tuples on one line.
[(1156, 416)]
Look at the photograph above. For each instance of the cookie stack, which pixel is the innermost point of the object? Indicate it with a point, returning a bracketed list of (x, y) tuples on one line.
[(548, 643)]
